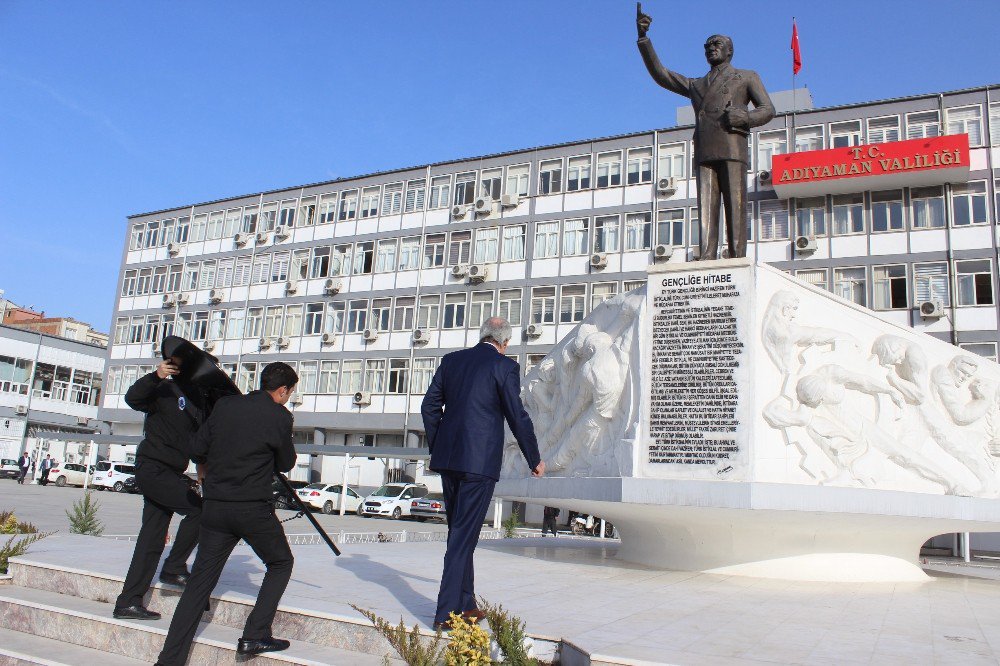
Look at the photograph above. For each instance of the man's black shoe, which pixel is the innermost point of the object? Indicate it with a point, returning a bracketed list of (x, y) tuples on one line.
[(174, 579), (136, 612), (258, 645)]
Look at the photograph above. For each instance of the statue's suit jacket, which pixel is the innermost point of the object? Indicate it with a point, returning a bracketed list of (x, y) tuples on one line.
[(473, 392), (737, 87)]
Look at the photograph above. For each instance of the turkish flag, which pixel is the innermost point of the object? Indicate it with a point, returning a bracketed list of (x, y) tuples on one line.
[(796, 53)]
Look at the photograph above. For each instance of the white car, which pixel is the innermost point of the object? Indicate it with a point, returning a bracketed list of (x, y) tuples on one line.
[(69, 474), (393, 500), (112, 476), (326, 498)]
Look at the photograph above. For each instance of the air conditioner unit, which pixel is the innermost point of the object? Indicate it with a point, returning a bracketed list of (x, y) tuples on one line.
[(459, 271), (332, 286), (598, 260), (295, 400), (82, 420), (183, 298), (370, 334), (932, 309), (420, 335), (21, 410), (169, 300), (261, 237), (281, 232), (173, 249), (362, 398), (458, 211), (483, 205), (764, 176), (291, 287), (479, 272), (283, 341), (263, 343), (533, 330), (215, 296), (208, 345), (804, 244), (241, 239), (666, 187), (662, 251), (328, 338), (509, 200)]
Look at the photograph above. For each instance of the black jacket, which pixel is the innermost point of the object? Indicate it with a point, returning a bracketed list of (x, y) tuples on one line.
[(168, 428), (242, 443)]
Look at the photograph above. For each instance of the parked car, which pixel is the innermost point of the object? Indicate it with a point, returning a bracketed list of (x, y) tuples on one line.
[(326, 498), (132, 486), (69, 474), (393, 500), (109, 475), (280, 496), (9, 468), (429, 506)]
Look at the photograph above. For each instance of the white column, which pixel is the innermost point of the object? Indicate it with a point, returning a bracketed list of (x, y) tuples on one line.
[(343, 485), (86, 465), (497, 512), (602, 528), (966, 547)]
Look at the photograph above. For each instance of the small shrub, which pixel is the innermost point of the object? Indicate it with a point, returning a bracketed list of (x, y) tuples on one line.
[(408, 642), (9, 524), (508, 632), (470, 644), (510, 525), (84, 518)]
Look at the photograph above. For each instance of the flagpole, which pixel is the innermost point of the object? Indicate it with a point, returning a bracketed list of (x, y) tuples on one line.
[(794, 103)]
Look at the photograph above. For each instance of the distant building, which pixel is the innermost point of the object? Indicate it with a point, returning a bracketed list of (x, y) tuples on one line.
[(64, 327)]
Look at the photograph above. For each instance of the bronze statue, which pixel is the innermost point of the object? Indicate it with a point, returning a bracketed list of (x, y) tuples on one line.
[(722, 126)]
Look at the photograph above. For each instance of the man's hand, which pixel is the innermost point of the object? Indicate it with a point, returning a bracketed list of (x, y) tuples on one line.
[(642, 21), (736, 118), (539, 470), (166, 369), (200, 467)]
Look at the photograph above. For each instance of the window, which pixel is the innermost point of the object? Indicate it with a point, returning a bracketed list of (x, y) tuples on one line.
[(314, 319), (928, 207), (487, 245), (416, 190), (572, 302), (399, 371), (846, 134), (272, 320), (543, 305), (369, 202), (349, 205), (509, 306), (984, 349), (135, 238), (578, 173), (440, 191), (632, 285), (350, 376), (190, 280), (930, 283), (128, 283), (465, 188), (550, 177), (121, 330), (995, 134), (255, 322), (454, 311), (333, 322), (607, 232), (639, 166), (402, 314), (286, 214), (268, 215), (340, 260), (385, 259), (381, 314), (638, 231), (889, 290), (975, 282), (357, 315), (181, 231), (329, 377), (882, 130), (809, 138), (922, 125), (848, 214), (392, 199), (307, 377), (423, 373), (966, 120), (609, 169), (434, 250), (670, 227), (489, 186), (575, 236), (459, 248), (307, 212), (199, 327), (770, 144), (817, 277), (671, 161), (546, 240), (773, 220), (279, 266), (517, 180), (299, 269), (199, 226), (364, 256), (849, 283), (249, 223), (513, 243), (223, 277), (429, 311), (409, 253), (319, 267), (293, 321), (887, 211), (480, 309), (810, 217), (968, 203)]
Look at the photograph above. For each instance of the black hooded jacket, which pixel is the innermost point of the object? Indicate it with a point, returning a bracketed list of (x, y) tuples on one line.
[(173, 413)]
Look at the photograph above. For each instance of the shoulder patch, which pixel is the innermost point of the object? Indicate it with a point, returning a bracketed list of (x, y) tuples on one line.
[(181, 403)]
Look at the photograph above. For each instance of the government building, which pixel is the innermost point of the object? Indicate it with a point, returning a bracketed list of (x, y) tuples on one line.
[(363, 283)]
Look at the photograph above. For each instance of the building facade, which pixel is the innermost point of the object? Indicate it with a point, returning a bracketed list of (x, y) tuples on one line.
[(364, 283)]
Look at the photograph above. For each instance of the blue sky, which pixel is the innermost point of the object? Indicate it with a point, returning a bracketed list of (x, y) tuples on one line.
[(108, 109)]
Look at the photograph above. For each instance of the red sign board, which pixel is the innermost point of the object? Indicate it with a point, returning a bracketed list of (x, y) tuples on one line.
[(879, 166)]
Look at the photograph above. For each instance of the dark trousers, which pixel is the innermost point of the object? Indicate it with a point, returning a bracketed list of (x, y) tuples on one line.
[(222, 527), (165, 492), (466, 500), (728, 178), (549, 524), (45, 477), (24, 473)]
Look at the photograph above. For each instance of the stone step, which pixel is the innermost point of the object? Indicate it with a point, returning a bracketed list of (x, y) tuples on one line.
[(88, 623), (17, 648)]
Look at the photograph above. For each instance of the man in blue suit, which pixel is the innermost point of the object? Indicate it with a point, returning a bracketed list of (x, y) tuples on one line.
[(473, 392)]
